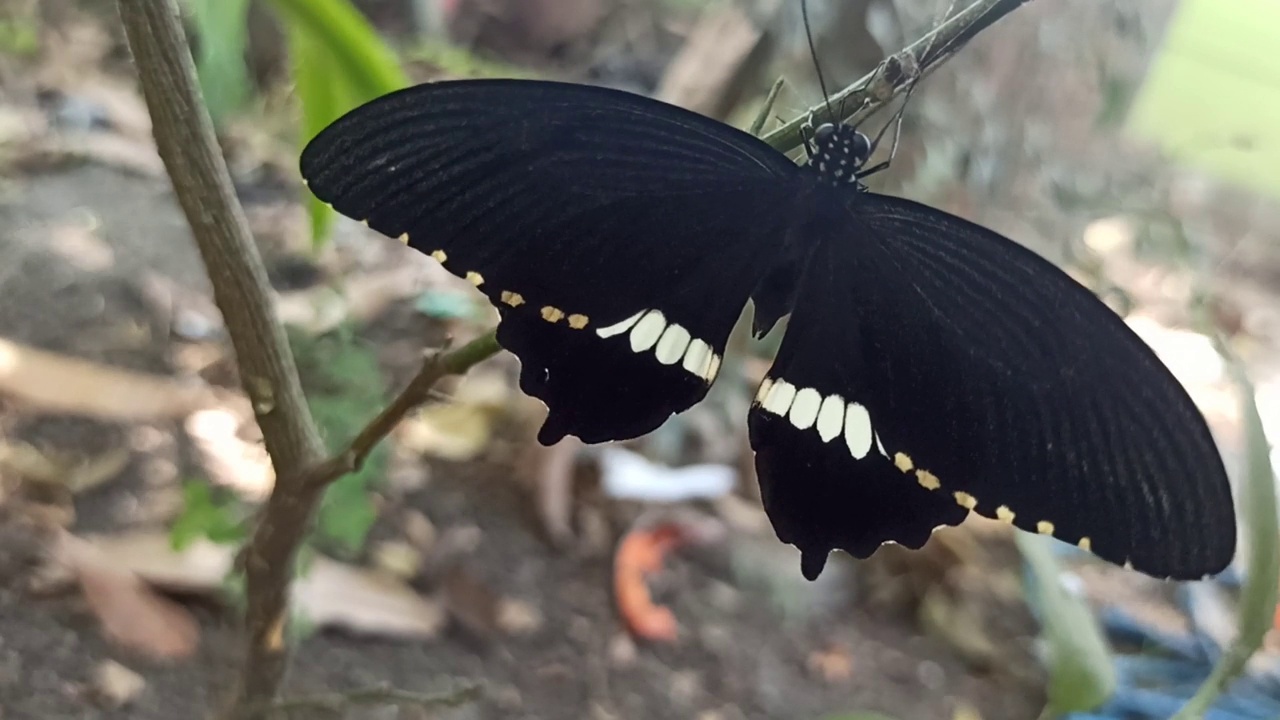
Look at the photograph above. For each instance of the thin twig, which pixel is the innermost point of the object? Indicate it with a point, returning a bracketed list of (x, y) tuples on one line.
[(898, 71), (418, 391), (379, 695)]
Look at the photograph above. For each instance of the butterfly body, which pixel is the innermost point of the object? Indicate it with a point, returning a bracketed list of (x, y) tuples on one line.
[(930, 368)]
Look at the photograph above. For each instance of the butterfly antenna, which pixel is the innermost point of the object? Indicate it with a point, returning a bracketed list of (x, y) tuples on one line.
[(817, 66)]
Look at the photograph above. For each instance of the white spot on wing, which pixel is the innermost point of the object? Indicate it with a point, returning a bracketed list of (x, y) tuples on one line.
[(714, 369), (763, 391), (831, 417), (646, 332), (619, 328), (697, 359), (857, 430), (672, 344), (778, 401), (804, 411)]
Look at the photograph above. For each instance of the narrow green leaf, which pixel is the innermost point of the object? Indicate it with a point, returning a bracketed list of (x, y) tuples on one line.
[(1258, 504), (347, 513), (204, 516), (222, 30), (339, 62), (323, 95), (367, 64), (1081, 676), (757, 125)]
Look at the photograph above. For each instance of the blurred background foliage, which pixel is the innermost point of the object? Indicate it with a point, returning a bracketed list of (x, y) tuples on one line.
[(1128, 142)]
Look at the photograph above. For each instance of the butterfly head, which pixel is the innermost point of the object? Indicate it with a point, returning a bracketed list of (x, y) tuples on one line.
[(839, 152)]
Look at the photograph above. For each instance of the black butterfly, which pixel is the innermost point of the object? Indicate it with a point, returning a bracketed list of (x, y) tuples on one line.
[(930, 367)]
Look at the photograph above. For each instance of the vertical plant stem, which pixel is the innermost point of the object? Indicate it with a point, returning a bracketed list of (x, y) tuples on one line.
[(185, 138)]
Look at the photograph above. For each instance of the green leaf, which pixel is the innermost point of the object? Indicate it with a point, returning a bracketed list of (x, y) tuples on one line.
[(857, 716), (344, 386), (1081, 675), (204, 517), (222, 28), (347, 513), (1258, 502), (367, 64), (762, 117), (324, 95), (20, 34), (339, 62), (1117, 96)]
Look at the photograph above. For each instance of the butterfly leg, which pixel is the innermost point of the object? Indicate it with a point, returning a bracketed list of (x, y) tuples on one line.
[(806, 136), (880, 167)]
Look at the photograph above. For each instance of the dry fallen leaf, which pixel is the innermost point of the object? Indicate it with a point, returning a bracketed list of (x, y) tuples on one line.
[(114, 151), (113, 685), (332, 594), (450, 431), (742, 515), (76, 473), (471, 602), (198, 568), (396, 558), (230, 460), (552, 469), (132, 614), (419, 530), (461, 428), (60, 383), (518, 617), (834, 664), (79, 245)]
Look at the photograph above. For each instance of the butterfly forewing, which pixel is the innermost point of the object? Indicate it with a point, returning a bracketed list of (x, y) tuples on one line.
[(619, 238), (988, 381)]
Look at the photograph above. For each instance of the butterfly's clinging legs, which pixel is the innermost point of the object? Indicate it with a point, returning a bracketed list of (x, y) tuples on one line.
[(806, 136), (897, 135)]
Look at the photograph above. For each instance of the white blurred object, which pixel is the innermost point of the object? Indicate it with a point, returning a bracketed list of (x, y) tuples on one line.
[(1190, 356), (629, 476)]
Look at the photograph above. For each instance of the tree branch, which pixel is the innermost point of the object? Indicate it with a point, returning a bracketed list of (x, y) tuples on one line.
[(185, 139), (898, 71), (337, 703)]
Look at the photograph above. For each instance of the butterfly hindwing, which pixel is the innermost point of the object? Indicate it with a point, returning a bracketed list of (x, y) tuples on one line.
[(986, 380), (653, 328), (618, 237)]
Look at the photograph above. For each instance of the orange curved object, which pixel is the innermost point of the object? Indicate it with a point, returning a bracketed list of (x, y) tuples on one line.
[(639, 555)]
